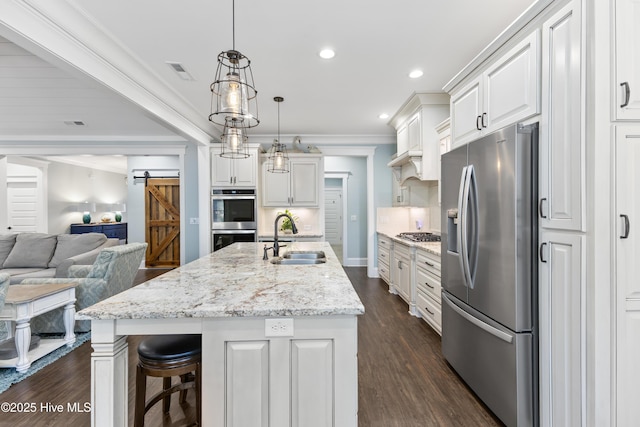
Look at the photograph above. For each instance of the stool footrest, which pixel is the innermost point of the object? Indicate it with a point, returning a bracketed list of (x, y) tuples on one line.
[(161, 395)]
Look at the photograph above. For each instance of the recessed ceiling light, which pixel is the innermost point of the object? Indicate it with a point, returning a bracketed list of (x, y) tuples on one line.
[(415, 74), (383, 116), (327, 53)]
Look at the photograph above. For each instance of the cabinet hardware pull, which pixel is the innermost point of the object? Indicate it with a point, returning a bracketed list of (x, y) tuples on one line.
[(627, 94), (429, 311), (383, 255), (400, 265), (542, 252), (542, 215), (478, 123), (483, 117), (625, 234), (430, 286), (429, 264)]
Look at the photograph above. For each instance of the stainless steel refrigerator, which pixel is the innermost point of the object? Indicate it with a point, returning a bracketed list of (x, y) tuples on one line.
[(489, 270)]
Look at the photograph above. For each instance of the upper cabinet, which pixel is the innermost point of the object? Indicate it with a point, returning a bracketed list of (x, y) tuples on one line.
[(299, 187), (227, 172), (562, 183), (627, 59), (505, 93), (418, 153)]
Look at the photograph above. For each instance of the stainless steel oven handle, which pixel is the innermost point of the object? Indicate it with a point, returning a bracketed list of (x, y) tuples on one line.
[(219, 197), (233, 231)]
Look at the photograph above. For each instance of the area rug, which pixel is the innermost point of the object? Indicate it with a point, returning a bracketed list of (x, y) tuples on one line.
[(9, 376)]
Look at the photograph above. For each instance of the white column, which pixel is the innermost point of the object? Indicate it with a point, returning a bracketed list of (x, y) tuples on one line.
[(109, 367), (69, 315)]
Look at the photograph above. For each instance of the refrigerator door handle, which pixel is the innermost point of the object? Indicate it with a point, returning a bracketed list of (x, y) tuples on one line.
[(479, 323), (462, 224), (472, 243)]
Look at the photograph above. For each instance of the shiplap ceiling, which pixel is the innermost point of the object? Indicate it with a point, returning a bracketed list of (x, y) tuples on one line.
[(377, 44)]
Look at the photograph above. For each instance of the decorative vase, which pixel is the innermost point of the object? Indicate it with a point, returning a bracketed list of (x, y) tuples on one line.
[(86, 218), (118, 217)]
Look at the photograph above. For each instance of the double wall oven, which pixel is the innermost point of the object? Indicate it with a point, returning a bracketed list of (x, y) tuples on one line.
[(233, 216)]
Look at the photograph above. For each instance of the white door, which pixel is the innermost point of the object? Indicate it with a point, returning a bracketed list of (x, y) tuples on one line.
[(333, 215), (22, 204)]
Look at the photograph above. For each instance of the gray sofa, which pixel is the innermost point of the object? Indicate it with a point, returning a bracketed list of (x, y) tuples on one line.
[(41, 255)]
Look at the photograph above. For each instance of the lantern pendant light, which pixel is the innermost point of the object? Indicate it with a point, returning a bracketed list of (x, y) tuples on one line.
[(278, 160), (234, 102)]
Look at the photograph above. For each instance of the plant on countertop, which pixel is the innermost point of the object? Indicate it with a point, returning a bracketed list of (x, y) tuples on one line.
[(286, 223)]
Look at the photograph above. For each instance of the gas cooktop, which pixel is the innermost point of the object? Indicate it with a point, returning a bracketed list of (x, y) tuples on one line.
[(419, 236)]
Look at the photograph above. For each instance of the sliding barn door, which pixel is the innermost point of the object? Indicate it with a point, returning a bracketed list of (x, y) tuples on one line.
[(162, 222)]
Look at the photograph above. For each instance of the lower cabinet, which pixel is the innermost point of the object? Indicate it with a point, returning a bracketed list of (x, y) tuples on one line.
[(561, 298), (307, 378), (385, 245), (428, 288), (401, 268)]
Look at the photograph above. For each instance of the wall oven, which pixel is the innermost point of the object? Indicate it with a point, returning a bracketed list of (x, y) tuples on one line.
[(233, 209), (222, 238), (233, 216)]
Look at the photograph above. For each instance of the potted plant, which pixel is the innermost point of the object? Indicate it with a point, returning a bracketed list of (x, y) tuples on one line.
[(285, 225)]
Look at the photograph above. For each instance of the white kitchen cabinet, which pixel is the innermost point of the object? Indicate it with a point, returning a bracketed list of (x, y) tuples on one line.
[(401, 275), (562, 340), (561, 218), (627, 60), (562, 183), (300, 187), (505, 93), (418, 154), (428, 288), (444, 137), (627, 284), (385, 247), (227, 172)]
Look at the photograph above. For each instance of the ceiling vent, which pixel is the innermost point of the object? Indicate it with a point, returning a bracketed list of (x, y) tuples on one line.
[(179, 69), (74, 122)]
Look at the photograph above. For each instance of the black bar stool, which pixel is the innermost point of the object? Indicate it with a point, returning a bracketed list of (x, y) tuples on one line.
[(166, 356)]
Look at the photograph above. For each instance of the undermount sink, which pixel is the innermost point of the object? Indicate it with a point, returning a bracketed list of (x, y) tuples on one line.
[(304, 255), (300, 258)]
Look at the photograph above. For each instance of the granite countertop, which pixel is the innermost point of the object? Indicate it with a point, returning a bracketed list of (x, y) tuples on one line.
[(286, 236), (236, 282), (431, 247)]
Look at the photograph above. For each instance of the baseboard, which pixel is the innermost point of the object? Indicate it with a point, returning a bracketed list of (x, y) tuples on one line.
[(355, 262)]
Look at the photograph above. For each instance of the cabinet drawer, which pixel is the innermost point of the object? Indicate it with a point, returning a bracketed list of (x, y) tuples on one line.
[(428, 284), (383, 269), (401, 251), (383, 255), (431, 312), (429, 262)]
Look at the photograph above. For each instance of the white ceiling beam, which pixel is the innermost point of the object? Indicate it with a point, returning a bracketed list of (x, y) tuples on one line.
[(61, 34)]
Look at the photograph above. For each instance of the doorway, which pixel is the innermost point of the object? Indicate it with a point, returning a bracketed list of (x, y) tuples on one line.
[(333, 214)]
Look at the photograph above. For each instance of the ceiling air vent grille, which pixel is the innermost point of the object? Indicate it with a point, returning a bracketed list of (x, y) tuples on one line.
[(74, 122), (179, 69)]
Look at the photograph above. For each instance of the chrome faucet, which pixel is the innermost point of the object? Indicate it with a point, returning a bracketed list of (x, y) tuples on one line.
[(294, 229)]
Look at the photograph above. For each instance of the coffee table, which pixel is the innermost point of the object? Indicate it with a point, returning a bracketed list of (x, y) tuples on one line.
[(23, 303)]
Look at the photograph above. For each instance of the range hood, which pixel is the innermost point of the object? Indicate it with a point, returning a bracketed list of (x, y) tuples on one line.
[(407, 165)]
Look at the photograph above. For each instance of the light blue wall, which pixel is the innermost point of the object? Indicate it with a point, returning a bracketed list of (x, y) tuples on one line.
[(382, 176)]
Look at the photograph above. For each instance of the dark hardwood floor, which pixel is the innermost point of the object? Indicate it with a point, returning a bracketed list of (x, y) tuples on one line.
[(403, 379)]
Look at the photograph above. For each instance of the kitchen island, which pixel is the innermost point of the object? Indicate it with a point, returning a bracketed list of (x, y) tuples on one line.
[(279, 342)]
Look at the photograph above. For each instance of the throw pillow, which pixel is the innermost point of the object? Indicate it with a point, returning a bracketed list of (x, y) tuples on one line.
[(6, 244), (31, 250), (70, 245)]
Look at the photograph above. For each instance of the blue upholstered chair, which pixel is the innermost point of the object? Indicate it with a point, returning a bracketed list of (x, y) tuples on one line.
[(113, 272)]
